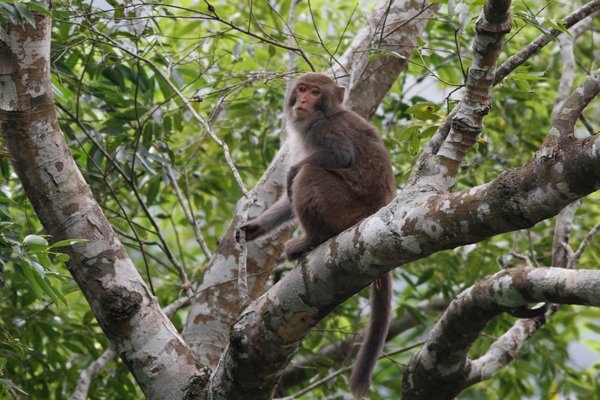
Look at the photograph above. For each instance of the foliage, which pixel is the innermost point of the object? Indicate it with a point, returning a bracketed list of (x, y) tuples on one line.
[(129, 132)]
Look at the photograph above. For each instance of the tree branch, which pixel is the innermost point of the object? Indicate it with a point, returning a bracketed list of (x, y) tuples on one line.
[(441, 369), (440, 171), (412, 227), (563, 124)]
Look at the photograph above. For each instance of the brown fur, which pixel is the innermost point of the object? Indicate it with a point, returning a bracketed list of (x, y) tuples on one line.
[(343, 175)]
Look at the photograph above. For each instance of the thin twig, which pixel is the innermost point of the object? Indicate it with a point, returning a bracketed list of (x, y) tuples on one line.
[(340, 371), (188, 214), (584, 245), (185, 101), (524, 54)]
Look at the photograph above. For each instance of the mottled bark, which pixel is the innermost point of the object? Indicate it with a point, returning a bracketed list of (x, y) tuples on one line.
[(393, 26), (441, 368), (507, 347), (130, 316), (564, 119)]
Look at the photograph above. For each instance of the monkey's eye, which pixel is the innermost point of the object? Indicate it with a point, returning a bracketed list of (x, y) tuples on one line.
[(302, 89), (315, 92)]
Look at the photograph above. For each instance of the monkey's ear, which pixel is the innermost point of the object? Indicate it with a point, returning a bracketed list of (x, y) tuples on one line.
[(340, 90)]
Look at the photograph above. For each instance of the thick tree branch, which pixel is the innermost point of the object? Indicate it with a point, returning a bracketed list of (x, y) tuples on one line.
[(126, 311), (88, 374), (565, 85), (393, 27), (507, 347), (413, 226), (439, 172), (567, 58), (501, 72), (441, 368), (563, 124)]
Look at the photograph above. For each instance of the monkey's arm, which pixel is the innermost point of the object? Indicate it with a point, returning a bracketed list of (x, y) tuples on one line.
[(331, 144), (277, 215)]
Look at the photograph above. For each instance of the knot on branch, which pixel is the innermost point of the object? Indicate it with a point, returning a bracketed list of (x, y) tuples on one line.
[(463, 127), (122, 304), (488, 28)]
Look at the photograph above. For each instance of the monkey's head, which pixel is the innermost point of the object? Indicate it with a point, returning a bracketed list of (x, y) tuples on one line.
[(314, 96)]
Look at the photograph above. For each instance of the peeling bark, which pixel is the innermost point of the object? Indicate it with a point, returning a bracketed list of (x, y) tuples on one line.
[(129, 315)]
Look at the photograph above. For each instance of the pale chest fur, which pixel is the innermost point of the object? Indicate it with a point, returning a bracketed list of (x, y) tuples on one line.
[(296, 146)]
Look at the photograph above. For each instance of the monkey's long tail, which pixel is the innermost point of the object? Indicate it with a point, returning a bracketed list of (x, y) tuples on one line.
[(381, 310)]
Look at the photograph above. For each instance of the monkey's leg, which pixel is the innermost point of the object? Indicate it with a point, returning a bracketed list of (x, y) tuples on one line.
[(294, 248), (324, 205)]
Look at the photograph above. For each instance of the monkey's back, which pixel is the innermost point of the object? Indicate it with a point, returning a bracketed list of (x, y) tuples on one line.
[(370, 175)]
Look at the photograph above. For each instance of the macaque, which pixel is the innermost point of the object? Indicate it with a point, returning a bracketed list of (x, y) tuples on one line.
[(340, 174)]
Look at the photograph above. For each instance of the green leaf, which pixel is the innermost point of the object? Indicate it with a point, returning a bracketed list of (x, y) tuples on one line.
[(425, 276), (38, 7), (5, 166), (30, 274), (62, 257), (25, 13), (593, 327), (558, 25), (523, 85), (408, 132), (153, 189), (414, 145), (376, 56), (44, 259), (67, 242), (426, 116), (530, 77), (35, 242), (429, 131), (423, 107), (8, 383), (12, 12)]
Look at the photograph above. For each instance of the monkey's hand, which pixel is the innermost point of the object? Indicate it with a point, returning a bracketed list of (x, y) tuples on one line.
[(252, 229)]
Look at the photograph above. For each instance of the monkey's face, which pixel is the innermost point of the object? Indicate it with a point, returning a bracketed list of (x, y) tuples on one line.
[(307, 100)]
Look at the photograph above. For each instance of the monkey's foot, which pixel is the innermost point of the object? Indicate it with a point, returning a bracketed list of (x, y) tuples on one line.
[(295, 248)]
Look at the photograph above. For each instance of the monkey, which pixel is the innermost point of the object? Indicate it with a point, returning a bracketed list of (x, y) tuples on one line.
[(340, 174)]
